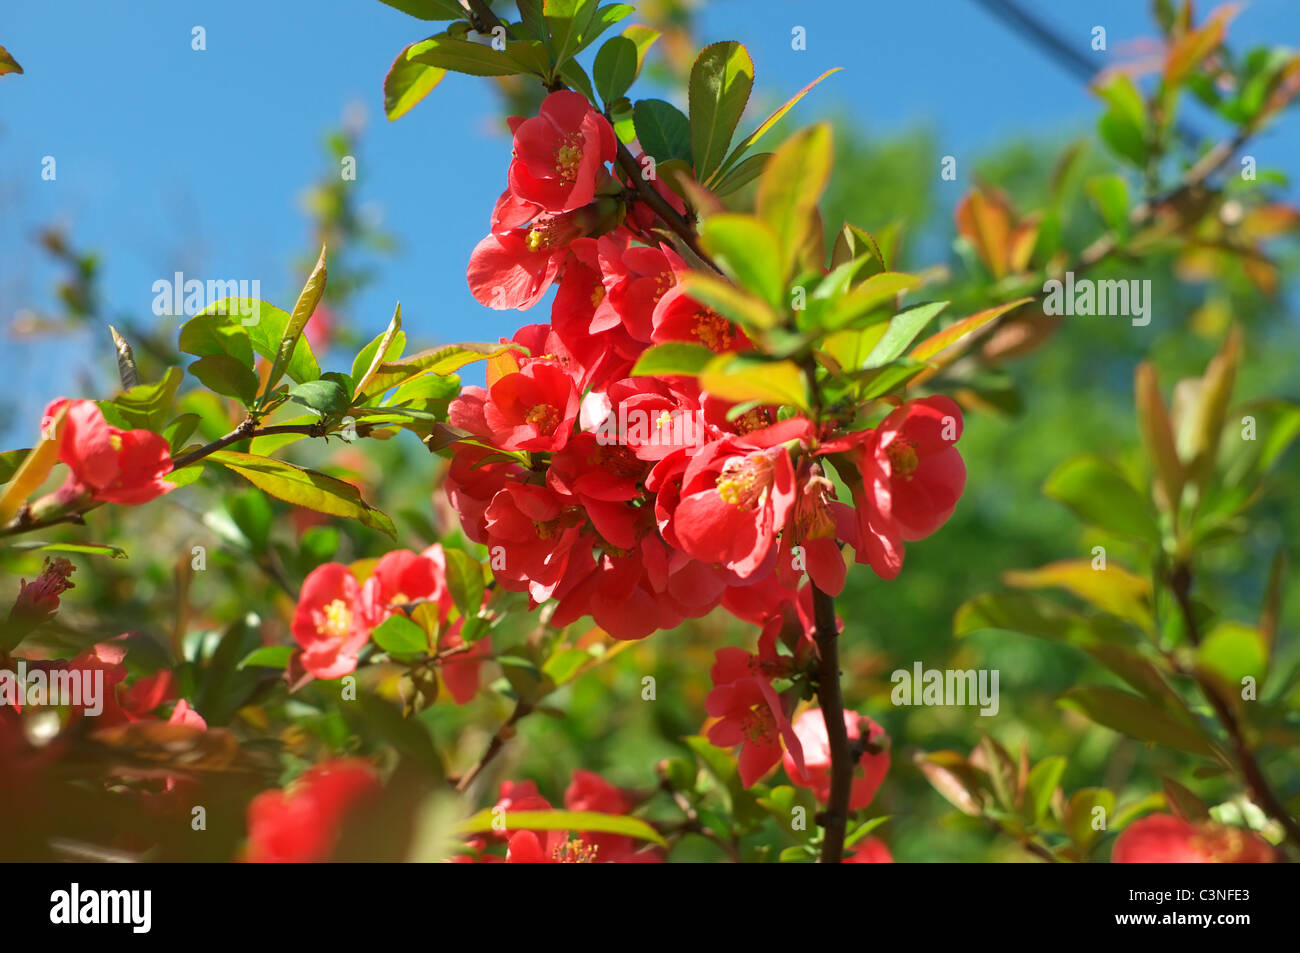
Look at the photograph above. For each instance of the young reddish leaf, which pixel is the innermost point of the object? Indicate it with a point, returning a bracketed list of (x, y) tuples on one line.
[(950, 335), (7, 63), (1158, 438)]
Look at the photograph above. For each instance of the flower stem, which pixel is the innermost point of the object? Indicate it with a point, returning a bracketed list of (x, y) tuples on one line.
[(835, 817)]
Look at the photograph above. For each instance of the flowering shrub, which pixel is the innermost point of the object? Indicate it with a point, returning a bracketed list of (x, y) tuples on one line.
[(732, 401)]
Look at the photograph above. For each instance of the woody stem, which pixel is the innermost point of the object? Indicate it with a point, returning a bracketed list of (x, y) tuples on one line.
[(835, 817)]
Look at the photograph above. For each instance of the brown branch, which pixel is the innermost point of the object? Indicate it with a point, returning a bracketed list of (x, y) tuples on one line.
[(835, 818), (1252, 774), (680, 226), (246, 431), (503, 734)]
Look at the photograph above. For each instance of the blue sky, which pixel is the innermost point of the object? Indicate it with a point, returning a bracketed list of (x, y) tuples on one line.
[(172, 159)]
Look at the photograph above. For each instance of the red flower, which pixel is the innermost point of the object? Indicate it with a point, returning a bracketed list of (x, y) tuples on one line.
[(533, 409), (752, 716), (912, 477), (560, 153), (810, 727), (331, 622), (1166, 839), (678, 317), (514, 269), (870, 850), (301, 824), (111, 465), (183, 714), (735, 496)]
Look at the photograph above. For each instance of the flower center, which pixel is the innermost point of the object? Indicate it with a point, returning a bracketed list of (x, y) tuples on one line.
[(758, 724), (576, 852), (902, 457), (540, 237), (544, 417), (568, 157), (744, 481), (336, 621), (713, 330), (813, 519), (597, 295)]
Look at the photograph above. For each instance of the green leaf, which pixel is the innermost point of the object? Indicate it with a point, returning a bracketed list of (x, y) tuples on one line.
[(1079, 815), (147, 406), (307, 488), (90, 549), (1043, 781), (1134, 716), (265, 324), (303, 309), (465, 581), (604, 18), (567, 20), (903, 327), (1101, 495), (663, 131), (744, 173), (485, 820), (387, 347), (1110, 194), (721, 81), (738, 377), (573, 74), (1232, 651), (224, 375), (326, 397), (565, 664), (791, 186), (1123, 127), (268, 656), (398, 635), (465, 56), (429, 9), (11, 460), (615, 68), (212, 334), (771, 121), (441, 361), (1114, 589), (746, 248), (672, 357), (407, 83), (1034, 615)]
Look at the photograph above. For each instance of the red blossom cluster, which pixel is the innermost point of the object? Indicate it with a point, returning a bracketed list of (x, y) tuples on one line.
[(337, 611), (643, 501), (301, 824)]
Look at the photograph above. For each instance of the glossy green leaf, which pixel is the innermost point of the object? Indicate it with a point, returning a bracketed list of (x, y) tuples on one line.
[(746, 248), (398, 635), (303, 309), (224, 375), (663, 131), (720, 83), (615, 68), (408, 82), (737, 377), (1136, 717), (307, 488), (791, 187), (672, 357), (1101, 495), (465, 581), (903, 327)]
